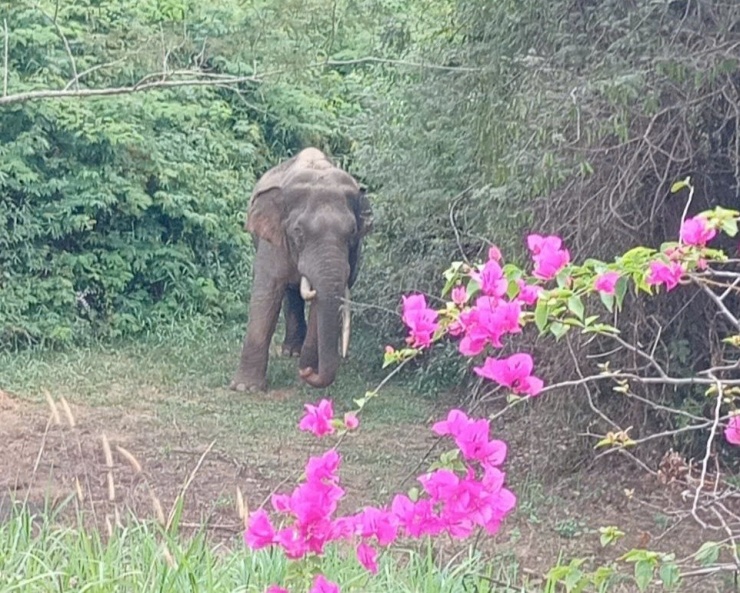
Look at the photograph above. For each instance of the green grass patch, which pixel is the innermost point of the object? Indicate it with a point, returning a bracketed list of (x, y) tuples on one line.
[(36, 555)]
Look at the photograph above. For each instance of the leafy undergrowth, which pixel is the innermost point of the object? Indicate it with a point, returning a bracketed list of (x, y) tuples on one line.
[(158, 461)]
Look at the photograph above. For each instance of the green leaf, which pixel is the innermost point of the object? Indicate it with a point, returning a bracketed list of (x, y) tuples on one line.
[(643, 574), (620, 290), (575, 306), (679, 185), (670, 575), (708, 553), (590, 319), (540, 315), (609, 535), (573, 579), (729, 226), (608, 300), (558, 329)]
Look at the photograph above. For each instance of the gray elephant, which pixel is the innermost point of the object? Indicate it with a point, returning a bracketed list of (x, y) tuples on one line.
[(307, 218)]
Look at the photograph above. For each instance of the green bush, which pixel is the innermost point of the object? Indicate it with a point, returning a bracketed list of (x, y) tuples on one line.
[(115, 213)]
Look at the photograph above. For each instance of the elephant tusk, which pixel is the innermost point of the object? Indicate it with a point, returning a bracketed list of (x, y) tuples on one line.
[(345, 324), (307, 293)]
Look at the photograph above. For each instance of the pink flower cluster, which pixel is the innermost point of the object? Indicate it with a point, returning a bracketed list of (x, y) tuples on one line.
[(320, 419), (454, 504), (420, 319), (548, 255), (492, 316), (695, 232)]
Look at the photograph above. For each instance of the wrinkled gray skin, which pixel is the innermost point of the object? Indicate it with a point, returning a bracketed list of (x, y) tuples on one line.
[(307, 218)]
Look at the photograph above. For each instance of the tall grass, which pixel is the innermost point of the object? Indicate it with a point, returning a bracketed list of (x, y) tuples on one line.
[(37, 555)]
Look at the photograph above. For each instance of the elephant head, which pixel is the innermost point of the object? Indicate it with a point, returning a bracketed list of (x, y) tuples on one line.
[(316, 215)]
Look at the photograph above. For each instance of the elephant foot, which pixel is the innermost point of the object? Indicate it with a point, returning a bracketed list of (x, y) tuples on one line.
[(290, 350), (244, 384)]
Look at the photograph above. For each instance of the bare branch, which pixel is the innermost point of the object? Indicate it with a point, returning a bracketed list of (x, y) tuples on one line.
[(708, 452), (196, 78), (122, 90)]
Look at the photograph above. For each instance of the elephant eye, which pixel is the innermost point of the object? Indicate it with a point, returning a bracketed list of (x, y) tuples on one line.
[(297, 235)]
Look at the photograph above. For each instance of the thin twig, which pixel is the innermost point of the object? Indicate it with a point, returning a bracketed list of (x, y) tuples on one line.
[(708, 452)]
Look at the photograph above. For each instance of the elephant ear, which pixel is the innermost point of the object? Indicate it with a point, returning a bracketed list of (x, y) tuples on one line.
[(265, 215), (266, 208), (364, 213)]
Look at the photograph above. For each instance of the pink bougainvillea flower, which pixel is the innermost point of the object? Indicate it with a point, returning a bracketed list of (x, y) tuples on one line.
[(381, 524), (528, 293), (459, 295), (293, 545), (420, 319), (440, 484), (606, 282), (368, 557), (318, 418), (675, 253), (313, 501), (456, 328), (324, 467), (732, 432), (549, 258), (322, 585), (491, 279), (471, 436), (696, 231), (488, 321), (453, 425), (514, 372), (416, 518), (351, 421), (259, 533), (662, 273), (494, 253), (474, 444), (537, 244), (276, 589)]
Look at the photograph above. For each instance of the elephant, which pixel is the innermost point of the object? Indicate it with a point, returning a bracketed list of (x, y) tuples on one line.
[(307, 218)]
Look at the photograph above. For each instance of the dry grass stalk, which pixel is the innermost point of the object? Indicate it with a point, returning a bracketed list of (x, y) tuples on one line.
[(158, 510), (241, 508), (78, 488), (53, 407), (168, 557), (107, 451), (128, 456), (111, 487), (187, 483), (68, 412)]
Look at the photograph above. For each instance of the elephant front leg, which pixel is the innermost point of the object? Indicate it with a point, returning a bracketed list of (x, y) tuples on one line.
[(295, 322), (264, 310)]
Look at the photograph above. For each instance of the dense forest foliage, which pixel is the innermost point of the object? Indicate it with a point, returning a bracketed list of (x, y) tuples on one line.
[(471, 122)]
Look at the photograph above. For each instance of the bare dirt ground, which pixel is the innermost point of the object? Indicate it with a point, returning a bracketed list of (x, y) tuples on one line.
[(113, 461)]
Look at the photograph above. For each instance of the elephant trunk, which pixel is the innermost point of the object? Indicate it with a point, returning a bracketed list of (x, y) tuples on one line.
[(329, 294)]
